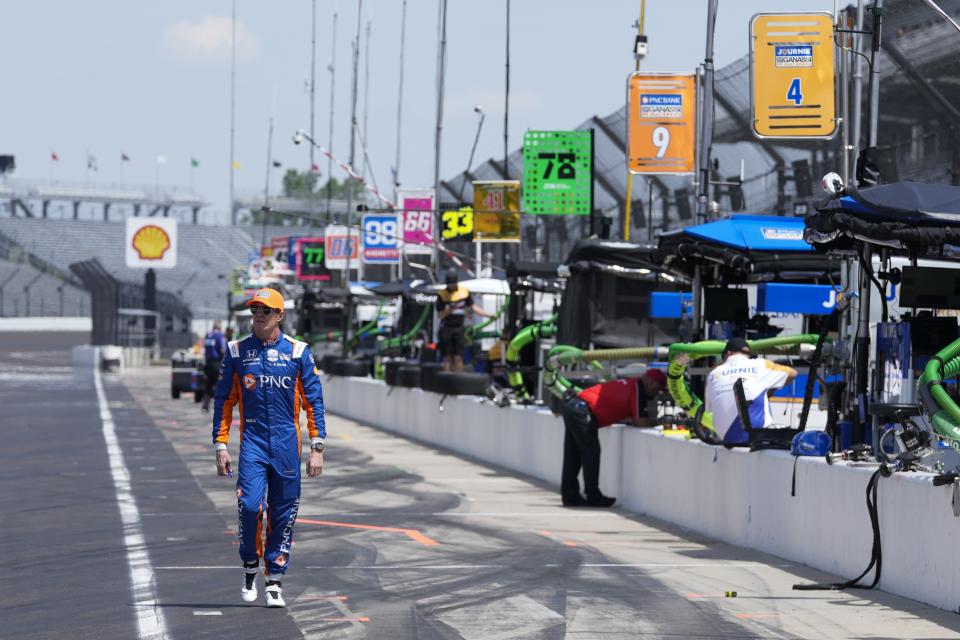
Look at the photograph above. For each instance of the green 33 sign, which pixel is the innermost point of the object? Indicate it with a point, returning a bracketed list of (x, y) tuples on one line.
[(557, 172)]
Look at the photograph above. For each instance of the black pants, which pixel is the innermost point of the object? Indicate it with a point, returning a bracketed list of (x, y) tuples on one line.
[(581, 448), (211, 371)]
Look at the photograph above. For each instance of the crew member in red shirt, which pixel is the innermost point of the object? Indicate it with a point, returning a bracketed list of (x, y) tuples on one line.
[(600, 406)]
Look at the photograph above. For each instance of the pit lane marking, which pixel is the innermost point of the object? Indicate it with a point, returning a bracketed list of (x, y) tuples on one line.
[(413, 534), (151, 622)]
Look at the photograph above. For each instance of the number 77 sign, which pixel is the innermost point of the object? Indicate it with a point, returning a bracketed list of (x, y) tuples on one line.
[(661, 123)]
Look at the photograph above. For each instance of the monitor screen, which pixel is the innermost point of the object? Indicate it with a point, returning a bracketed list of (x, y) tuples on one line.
[(722, 304), (930, 288), (928, 335)]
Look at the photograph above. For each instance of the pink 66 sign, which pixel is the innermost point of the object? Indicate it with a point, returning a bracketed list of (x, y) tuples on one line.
[(418, 224)]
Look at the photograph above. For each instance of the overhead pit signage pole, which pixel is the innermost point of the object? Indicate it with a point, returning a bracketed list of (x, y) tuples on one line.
[(792, 75)]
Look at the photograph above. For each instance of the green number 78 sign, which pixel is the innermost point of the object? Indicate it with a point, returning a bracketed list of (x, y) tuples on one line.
[(557, 172)]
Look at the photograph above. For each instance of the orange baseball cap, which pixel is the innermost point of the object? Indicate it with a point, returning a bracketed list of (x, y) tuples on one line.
[(268, 298)]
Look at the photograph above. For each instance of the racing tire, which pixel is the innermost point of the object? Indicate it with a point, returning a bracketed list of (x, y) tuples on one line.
[(390, 368), (462, 383), (175, 394), (353, 368), (409, 376), (326, 363), (428, 375)]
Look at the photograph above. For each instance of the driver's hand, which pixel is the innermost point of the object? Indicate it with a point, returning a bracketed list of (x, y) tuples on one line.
[(224, 464)]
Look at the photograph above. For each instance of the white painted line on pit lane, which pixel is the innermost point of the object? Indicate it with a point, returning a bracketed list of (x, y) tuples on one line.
[(151, 623), (208, 613), (443, 567)]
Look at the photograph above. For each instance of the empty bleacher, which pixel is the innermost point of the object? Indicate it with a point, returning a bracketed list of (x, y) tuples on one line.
[(201, 278)]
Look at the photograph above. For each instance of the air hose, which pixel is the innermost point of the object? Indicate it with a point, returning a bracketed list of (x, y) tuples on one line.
[(564, 355), (934, 399), (400, 341), (530, 333), (473, 332), (367, 329)]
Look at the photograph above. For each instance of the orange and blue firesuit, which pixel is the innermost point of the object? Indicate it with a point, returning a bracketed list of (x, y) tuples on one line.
[(270, 382)]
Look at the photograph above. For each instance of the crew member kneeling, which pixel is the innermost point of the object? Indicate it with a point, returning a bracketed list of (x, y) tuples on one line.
[(600, 406)]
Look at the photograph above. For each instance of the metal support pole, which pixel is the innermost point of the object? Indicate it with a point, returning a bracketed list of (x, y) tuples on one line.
[(233, 98), (628, 201), (313, 85), (862, 348), (506, 97), (403, 39), (697, 303), (875, 72), (844, 101), (857, 106), (353, 150), (332, 68), (706, 125), (441, 69)]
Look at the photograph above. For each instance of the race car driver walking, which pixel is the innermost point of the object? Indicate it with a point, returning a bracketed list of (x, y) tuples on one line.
[(270, 377)]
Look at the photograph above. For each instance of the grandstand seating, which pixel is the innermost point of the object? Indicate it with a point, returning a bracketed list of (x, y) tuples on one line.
[(201, 278), (44, 297)]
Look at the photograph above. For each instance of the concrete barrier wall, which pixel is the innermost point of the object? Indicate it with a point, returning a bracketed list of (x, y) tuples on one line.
[(736, 496)]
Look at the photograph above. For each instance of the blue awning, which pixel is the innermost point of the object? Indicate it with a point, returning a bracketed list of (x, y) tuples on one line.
[(754, 233)]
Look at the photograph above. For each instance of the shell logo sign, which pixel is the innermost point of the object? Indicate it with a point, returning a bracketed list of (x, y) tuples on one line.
[(151, 242)]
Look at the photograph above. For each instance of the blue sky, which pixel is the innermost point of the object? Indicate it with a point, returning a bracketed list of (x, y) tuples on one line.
[(148, 79)]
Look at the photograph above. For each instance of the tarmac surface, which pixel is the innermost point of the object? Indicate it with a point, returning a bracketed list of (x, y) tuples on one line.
[(115, 525)]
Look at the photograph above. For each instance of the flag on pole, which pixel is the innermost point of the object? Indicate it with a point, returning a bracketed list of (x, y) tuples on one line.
[(54, 156), (161, 159), (124, 157), (315, 168), (277, 164), (91, 162), (194, 163), (236, 165)]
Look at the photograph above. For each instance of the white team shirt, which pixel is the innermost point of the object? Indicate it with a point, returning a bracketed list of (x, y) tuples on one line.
[(759, 376)]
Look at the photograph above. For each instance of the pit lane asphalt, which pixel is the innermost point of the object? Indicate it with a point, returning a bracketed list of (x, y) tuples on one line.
[(508, 562)]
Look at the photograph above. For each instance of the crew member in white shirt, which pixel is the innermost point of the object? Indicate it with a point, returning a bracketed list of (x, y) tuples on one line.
[(760, 378)]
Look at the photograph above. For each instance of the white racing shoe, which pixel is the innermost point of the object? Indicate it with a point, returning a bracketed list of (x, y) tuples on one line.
[(274, 594), (249, 589)]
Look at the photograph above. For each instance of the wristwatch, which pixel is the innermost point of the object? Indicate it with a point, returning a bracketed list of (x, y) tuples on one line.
[(317, 445)]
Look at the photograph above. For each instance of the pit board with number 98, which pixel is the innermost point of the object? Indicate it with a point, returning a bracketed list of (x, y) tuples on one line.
[(661, 123)]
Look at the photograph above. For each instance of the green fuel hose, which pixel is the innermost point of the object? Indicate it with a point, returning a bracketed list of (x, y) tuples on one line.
[(543, 329), (366, 329), (934, 400), (400, 341), (474, 331)]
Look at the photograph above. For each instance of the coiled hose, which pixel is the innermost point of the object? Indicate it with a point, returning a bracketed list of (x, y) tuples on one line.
[(934, 399), (543, 329)]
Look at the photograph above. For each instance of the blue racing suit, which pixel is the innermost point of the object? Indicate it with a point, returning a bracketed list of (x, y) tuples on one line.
[(270, 383)]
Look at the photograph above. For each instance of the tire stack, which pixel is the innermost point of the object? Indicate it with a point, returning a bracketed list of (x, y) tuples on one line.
[(428, 375), (408, 375), (462, 383)]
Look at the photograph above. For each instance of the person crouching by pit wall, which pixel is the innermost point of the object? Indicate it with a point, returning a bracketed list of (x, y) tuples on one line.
[(600, 406)]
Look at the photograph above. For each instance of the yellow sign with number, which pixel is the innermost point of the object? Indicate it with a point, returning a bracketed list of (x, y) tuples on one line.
[(661, 123), (457, 225), (792, 84), (496, 210)]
